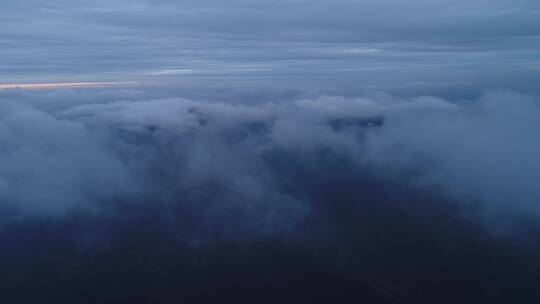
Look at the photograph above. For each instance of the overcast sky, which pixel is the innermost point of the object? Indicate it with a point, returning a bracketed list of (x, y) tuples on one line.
[(368, 42)]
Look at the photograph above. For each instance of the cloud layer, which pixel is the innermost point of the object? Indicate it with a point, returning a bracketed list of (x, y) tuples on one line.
[(311, 197), (60, 154)]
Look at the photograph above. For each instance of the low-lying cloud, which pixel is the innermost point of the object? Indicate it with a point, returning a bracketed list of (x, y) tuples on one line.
[(306, 196), (59, 156)]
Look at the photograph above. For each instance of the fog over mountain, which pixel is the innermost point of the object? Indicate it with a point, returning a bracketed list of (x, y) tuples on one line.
[(300, 151)]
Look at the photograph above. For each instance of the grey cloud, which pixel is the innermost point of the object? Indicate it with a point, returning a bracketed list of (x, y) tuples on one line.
[(61, 153), (484, 151), (50, 166)]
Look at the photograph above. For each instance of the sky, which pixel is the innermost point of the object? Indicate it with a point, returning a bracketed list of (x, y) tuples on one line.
[(295, 43)]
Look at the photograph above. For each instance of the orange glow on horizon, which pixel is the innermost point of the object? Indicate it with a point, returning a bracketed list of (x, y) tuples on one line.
[(48, 86)]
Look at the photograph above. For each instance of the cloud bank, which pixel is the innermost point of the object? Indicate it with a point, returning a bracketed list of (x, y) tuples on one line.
[(172, 194), (58, 154)]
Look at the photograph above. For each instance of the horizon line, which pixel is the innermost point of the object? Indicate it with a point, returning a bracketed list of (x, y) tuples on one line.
[(59, 85)]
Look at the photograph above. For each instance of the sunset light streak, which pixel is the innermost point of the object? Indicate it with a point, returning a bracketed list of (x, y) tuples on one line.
[(64, 85)]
